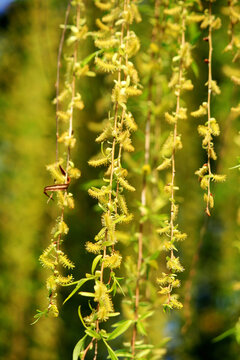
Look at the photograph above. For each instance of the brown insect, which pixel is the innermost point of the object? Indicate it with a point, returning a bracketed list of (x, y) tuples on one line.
[(57, 187)]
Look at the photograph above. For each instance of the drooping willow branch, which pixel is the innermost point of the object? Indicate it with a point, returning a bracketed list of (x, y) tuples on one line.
[(233, 45), (209, 146), (146, 170), (211, 127), (53, 258), (58, 72), (117, 44), (205, 108), (179, 83)]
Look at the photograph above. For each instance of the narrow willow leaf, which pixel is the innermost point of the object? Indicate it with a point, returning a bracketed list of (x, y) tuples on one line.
[(155, 255), (121, 289), (114, 314), (123, 353), (118, 323), (80, 316), (120, 329), (224, 335), (93, 334), (147, 315), (90, 57), (141, 328), (142, 354), (78, 348), (237, 332), (142, 346), (79, 285), (234, 167), (111, 353), (86, 293), (39, 315), (95, 262)]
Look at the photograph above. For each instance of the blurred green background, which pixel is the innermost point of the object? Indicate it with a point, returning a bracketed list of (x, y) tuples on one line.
[(29, 37)]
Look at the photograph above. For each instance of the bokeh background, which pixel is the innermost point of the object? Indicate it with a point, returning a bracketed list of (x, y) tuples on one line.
[(29, 37)]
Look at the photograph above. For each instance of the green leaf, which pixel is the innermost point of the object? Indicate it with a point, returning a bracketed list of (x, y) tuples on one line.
[(87, 294), (237, 331), (93, 334), (120, 329), (144, 346), (167, 308), (95, 262), (119, 286), (90, 57), (141, 328), (224, 335), (123, 353), (111, 353), (78, 348), (118, 323), (234, 167), (154, 256), (79, 285), (143, 303), (142, 354), (114, 314), (39, 315), (90, 306), (146, 315), (116, 282), (80, 316)]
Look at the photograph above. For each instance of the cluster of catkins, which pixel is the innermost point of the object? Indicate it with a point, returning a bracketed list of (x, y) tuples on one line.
[(68, 100), (117, 44)]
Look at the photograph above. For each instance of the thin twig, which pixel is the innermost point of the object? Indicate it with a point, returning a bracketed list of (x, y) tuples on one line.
[(144, 188), (58, 72), (58, 187), (96, 350), (71, 108), (75, 54), (175, 132), (141, 226), (126, 4), (86, 350), (209, 109), (112, 166)]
